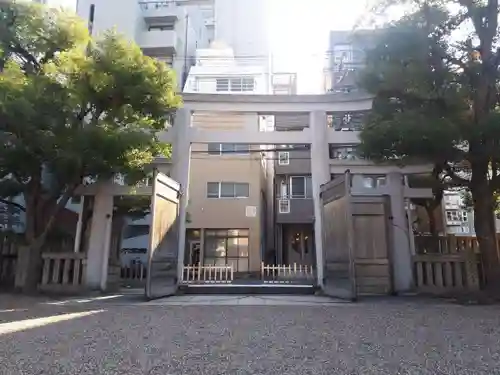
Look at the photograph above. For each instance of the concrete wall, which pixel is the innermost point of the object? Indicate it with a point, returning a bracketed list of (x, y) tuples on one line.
[(122, 15), (243, 24)]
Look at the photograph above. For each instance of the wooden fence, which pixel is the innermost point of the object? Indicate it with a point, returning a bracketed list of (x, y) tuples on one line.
[(133, 275), (288, 273), (63, 272), (447, 264), (445, 244), (207, 274)]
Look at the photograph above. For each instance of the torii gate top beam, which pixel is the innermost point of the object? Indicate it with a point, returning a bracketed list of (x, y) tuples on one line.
[(271, 104)]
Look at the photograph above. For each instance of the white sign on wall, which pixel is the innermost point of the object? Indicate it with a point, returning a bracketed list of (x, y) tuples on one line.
[(251, 211)]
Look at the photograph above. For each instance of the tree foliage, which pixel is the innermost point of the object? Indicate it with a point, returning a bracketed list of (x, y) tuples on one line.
[(73, 108), (434, 76)]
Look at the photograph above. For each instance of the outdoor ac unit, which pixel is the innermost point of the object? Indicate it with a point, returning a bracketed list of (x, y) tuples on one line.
[(284, 206), (283, 158)]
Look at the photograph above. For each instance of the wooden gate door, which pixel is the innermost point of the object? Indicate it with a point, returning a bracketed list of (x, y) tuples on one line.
[(162, 276), (338, 239)]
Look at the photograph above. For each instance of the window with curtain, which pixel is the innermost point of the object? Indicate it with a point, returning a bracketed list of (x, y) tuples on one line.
[(227, 247)]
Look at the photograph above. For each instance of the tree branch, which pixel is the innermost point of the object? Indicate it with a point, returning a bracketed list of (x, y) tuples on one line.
[(55, 212), (454, 177)]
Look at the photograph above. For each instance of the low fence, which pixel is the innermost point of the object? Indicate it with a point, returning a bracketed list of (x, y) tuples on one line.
[(447, 264), (63, 272), (426, 244), (289, 273), (207, 274), (134, 274)]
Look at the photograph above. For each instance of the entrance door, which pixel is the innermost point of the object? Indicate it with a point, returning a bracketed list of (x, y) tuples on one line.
[(338, 239), (194, 252), (162, 278)]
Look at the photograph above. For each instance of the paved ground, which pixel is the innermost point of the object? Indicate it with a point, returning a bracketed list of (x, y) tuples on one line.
[(288, 336)]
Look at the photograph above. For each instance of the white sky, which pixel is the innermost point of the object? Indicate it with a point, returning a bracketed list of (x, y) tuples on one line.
[(300, 31)]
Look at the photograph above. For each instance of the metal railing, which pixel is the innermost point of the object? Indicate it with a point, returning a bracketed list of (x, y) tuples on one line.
[(148, 5)]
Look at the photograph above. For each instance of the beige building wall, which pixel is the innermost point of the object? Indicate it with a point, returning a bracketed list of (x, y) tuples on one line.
[(227, 213)]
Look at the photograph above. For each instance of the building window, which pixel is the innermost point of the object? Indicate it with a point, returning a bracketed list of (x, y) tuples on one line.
[(228, 247), (135, 230), (241, 84), (455, 215), (228, 148), (344, 153), (343, 53), (228, 190), (222, 84), (346, 121), (300, 187), (161, 27), (368, 181)]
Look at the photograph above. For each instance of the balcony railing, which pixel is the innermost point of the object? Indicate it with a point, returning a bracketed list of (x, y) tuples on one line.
[(347, 121), (346, 153), (148, 5)]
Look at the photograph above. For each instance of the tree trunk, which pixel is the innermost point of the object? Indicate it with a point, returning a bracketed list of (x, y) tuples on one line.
[(433, 240), (29, 268), (484, 224), (432, 221)]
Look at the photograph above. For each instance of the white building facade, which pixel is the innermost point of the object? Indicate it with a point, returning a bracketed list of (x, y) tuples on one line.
[(168, 30)]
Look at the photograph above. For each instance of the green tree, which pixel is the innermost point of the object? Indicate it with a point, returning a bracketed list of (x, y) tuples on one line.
[(72, 108), (429, 204), (434, 75)]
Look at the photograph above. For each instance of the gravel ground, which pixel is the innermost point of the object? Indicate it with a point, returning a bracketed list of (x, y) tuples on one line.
[(373, 337)]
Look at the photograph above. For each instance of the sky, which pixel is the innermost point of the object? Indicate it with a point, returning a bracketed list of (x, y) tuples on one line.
[(300, 31)]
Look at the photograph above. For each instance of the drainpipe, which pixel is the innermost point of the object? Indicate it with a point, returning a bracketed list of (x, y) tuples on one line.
[(184, 69)]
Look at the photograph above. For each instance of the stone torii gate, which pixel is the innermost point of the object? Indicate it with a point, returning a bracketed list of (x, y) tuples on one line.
[(318, 135)]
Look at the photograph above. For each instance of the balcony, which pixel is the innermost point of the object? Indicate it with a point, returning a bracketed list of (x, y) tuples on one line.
[(155, 12), (346, 155), (158, 42), (293, 161), (346, 121), (210, 22), (294, 210)]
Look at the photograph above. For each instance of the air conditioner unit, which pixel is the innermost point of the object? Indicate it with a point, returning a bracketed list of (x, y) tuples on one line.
[(284, 206), (283, 158)]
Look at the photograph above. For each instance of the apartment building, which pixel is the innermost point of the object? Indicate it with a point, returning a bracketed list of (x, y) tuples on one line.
[(227, 196), (168, 30), (457, 219), (346, 58)]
